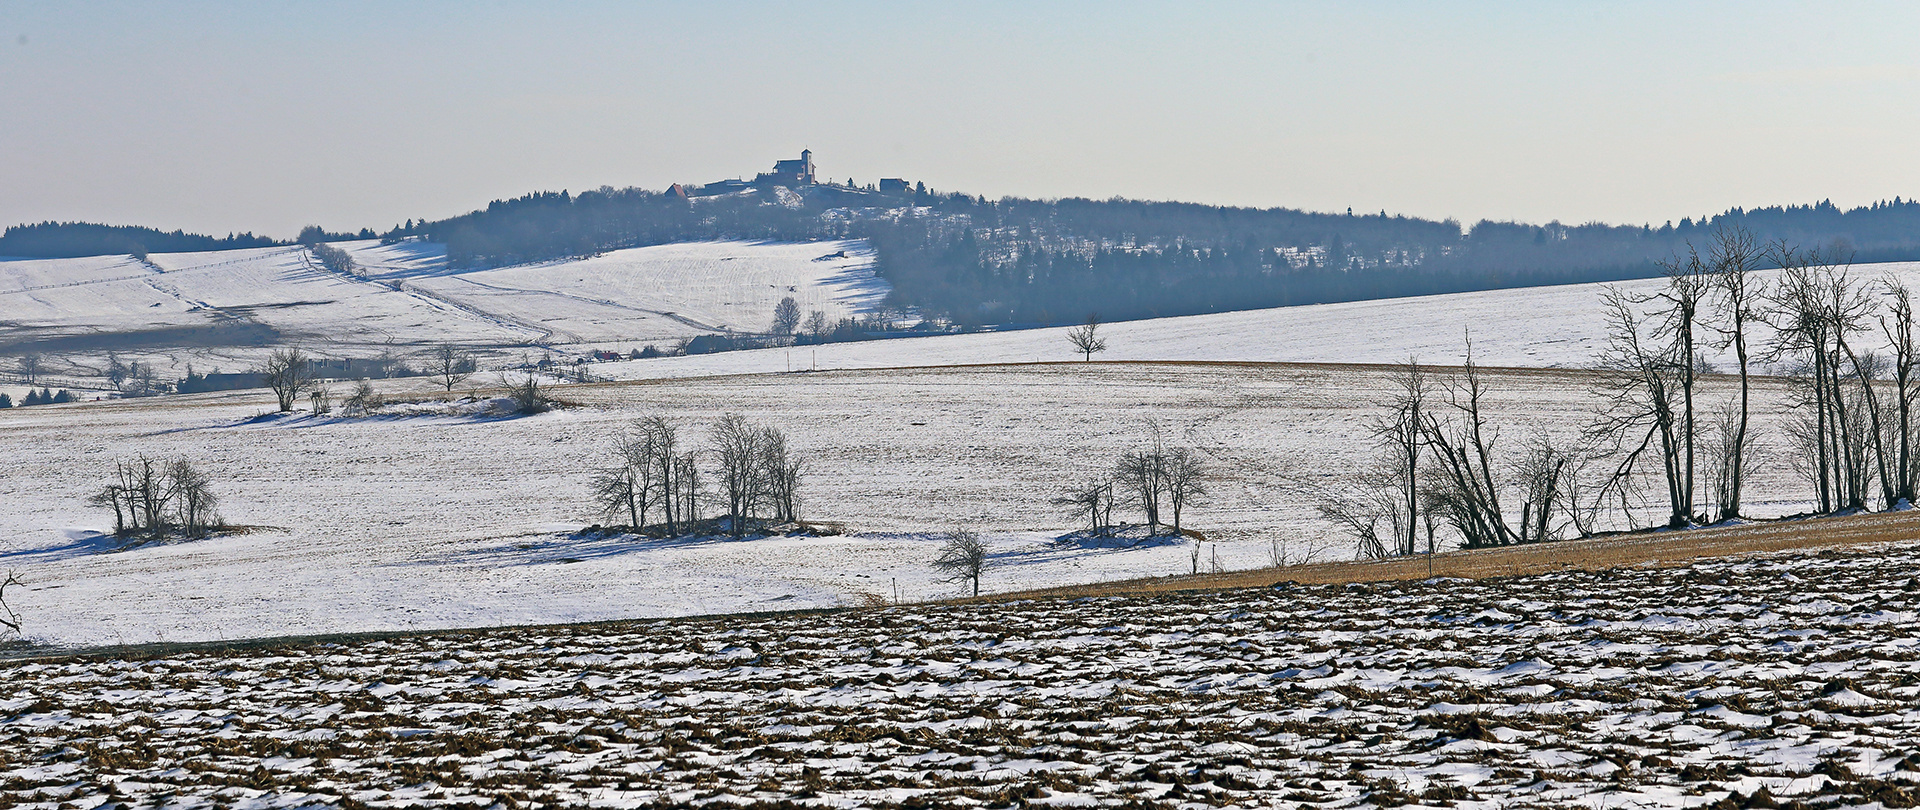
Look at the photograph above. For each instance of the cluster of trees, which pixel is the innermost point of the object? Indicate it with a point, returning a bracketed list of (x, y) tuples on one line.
[(154, 498), (1158, 480), (139, 379), (1845, 346), (290, 374), (334, 259), (43, 396), (1442, 465), (757, 475), (314, 235)]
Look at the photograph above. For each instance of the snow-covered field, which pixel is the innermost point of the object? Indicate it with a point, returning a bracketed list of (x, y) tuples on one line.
[(443, 521), (1749, 683), (211, 309)]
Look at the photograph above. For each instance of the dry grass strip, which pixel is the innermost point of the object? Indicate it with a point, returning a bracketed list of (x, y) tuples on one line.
[(1654, 548)]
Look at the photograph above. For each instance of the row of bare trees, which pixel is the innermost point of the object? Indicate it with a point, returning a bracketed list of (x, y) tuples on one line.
[(1844, 345), (757, 475), (1442, 464), (1154, 478), (153, 498)]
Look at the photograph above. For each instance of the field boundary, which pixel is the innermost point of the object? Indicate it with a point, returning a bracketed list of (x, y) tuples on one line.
[(1650, 548)]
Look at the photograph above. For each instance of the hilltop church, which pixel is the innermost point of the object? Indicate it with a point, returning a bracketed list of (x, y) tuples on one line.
[(789, 173)]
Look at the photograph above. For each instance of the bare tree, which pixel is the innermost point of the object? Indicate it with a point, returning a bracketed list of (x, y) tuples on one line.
[(1085, 500), (616, 492), (1727, 445), (786, 317), (1143, 474), (737, 444), (1639, 413), (1400, 432), (448, 365), (1086, 339), (364, 400), (780, 469), (962, 557), (657, 451), (30, 367), (193, 498), (1542, 475), (334, 259), (289, 374), (1688, 282), (817, 325), (1732, 258), (1462, 487), (1816, 307), (686, 478), (1186, 479), (1360, 509), (528, 394), (117, 372), (1906, 355), (11, 620)]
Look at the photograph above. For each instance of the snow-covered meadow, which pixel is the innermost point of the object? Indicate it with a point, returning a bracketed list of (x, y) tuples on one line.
[(1769, 682), (432, 520)]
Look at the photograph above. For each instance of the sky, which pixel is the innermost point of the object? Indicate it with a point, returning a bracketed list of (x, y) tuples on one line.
[(267, 116)]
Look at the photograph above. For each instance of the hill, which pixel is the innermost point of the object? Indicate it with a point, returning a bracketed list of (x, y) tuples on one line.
[(223, 309)]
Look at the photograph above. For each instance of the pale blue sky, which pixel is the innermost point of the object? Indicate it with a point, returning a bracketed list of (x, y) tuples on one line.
[(266, 116)]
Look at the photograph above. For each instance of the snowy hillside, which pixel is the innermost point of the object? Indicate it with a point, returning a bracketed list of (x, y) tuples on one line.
[(215, 309), (1536, 327)]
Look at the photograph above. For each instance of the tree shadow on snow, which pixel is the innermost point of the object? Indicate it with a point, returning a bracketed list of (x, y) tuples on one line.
[(79, 543), (585, 545)]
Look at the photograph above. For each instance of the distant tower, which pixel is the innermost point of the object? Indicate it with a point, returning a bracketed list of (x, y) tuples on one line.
[(806, 167)]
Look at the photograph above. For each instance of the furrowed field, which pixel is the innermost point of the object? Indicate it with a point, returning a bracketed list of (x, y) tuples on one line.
[(1782, 681)]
